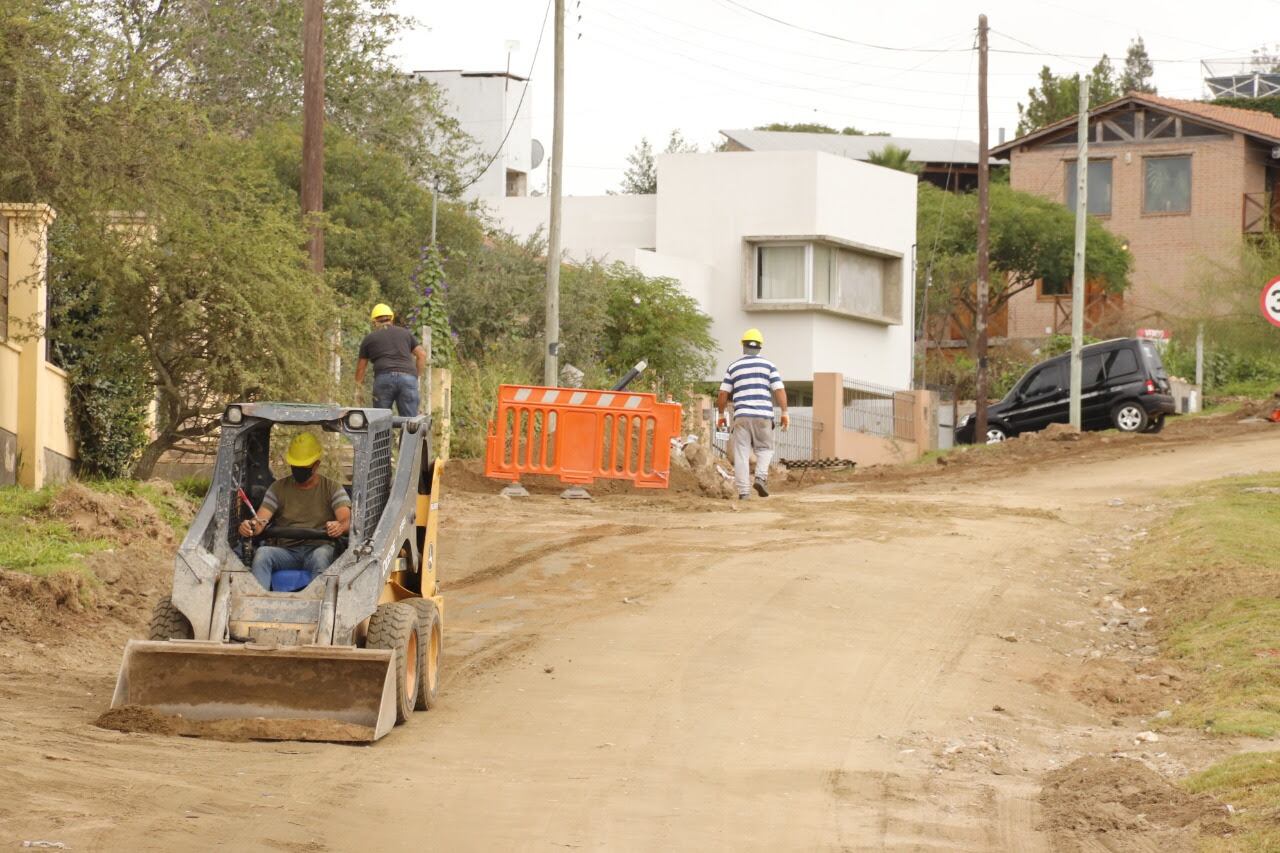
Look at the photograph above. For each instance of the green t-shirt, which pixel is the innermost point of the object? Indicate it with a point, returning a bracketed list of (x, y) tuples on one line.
[(293, 506)]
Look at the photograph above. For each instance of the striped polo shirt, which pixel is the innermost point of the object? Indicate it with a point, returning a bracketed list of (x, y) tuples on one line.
[(750, 382)]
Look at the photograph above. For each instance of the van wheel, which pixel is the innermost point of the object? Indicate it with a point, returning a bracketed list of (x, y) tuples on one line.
[(394, 626), (1129, 416), (996, 434)]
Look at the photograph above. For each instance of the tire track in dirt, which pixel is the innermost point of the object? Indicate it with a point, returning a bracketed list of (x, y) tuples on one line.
[(525, 558)]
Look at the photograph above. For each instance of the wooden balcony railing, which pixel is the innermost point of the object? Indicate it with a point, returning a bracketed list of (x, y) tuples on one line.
[(1261, 213)]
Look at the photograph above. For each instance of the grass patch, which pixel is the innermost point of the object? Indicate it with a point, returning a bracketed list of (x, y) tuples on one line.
[(194, 487), (1213, 574), (1250, 783), (168, 506), (33, 543)]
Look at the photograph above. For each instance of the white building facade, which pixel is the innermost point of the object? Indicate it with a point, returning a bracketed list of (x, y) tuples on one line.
[(488, 107), (815, 250)]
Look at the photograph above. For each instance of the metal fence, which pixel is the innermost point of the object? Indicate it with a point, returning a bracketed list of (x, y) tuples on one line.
[(879, 410), (796, 444)]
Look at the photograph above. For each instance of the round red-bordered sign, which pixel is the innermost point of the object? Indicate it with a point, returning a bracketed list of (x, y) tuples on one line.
[(1271, 301)]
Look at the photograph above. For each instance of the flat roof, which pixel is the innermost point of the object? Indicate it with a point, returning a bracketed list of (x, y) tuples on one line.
[(960, 151), (462, 73)]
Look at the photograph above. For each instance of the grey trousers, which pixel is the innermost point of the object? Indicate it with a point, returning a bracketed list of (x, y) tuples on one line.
[(751, 434)]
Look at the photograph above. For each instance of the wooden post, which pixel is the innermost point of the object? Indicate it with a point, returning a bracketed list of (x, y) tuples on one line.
[(984, 227), (313, 127)]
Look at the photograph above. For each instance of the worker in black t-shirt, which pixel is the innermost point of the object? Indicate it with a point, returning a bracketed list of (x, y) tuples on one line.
[(398, 360)]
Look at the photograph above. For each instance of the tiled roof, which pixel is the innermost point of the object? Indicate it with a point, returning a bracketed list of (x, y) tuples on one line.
[(1252, 122), (1249, 121)]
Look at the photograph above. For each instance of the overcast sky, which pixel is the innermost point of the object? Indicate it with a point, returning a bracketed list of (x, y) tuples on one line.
[(645, 67)]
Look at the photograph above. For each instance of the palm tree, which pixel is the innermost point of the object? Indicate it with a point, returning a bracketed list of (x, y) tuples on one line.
[(893, 157)]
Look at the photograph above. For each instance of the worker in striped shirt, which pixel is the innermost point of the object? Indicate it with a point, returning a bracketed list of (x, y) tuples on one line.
[(754, 386)]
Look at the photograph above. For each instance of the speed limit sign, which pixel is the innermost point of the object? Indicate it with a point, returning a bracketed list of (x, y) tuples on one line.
[(1271, 301)]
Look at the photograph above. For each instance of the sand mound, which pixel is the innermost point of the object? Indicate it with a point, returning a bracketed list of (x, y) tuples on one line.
[(1124, 801), (134, 718)]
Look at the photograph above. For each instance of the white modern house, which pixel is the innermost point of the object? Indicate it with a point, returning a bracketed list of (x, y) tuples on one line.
[(815, 250), (487, 104)]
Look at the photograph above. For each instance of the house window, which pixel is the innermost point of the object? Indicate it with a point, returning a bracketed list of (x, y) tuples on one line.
[(781, 273), (831, 276), (1167, 185), (1099, 187), (1055, 289)]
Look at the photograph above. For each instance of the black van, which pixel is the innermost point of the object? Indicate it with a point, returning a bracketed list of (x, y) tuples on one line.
[(1123, 385)]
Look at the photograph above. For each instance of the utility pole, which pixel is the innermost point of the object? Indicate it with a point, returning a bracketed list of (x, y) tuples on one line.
[(551, 365), (1077, 273), (984, 228), (313, 128)]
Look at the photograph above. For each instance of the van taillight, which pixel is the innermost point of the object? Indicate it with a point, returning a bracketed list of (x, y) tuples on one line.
[(1151, 387)]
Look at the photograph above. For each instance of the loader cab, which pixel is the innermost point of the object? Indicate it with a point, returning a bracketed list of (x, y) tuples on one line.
[(360, 460)]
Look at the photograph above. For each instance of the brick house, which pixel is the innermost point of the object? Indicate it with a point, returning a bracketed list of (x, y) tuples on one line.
[(1181, 181)]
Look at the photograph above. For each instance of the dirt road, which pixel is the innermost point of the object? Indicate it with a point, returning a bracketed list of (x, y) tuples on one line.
[(850, 667)]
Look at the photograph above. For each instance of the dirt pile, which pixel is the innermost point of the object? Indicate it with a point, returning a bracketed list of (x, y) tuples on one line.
[(1126, 803), (136, 719), (117, 585)]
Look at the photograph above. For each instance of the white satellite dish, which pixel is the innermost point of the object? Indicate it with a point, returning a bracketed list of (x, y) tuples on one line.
[(536, 153)]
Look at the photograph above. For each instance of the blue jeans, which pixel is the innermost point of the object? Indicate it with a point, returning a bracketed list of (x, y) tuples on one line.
[(315, 557), (398, 388)]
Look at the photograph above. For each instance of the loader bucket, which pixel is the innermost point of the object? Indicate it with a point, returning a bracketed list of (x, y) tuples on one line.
[(235, 691)]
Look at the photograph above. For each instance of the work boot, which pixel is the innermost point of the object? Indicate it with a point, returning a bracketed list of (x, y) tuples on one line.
[(744, 497), (760, 489)]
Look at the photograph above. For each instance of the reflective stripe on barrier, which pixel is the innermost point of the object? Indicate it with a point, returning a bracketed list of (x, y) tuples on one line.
[(581, 435)]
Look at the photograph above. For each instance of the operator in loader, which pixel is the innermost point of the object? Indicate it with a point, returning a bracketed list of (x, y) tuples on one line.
[(303, 499)]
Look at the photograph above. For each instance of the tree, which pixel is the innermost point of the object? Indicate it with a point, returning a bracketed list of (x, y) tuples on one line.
[(1032, 238), (207, 292), (1056, 98), (654, 319), (641, 176), (893, 157), (1138, 70), (814, 127)]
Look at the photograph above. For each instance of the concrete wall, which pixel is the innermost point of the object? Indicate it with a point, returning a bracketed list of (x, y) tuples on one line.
[(835, 441), (33, 393), (593, 227), (484, 107), (1170, 250), (709, 203), (697, 229)]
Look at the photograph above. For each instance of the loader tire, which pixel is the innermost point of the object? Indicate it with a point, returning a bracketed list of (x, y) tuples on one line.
[(168, 623), (432, 633), (394, 626)]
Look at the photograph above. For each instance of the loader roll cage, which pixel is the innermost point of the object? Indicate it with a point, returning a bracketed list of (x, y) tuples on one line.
[(213, 587)]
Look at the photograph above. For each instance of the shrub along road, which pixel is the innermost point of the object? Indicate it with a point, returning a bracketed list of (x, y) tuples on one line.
[(885, 663)]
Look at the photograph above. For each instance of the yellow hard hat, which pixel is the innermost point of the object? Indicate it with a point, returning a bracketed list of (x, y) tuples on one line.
[(382, 309), (304, 451), (753, 336)]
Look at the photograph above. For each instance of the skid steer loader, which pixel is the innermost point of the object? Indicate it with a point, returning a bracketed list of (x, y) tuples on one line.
[(346, 657)]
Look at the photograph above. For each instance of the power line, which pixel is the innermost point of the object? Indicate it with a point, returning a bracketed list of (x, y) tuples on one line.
[(523, 91), (840, 38), (830, 93), (756, 61), (626, 49)]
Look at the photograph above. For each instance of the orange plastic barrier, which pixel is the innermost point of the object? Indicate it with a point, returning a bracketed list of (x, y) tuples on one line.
[(581, 435)]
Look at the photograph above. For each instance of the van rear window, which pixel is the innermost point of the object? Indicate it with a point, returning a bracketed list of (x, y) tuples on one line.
[(1153, 359), (1121, 362)]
